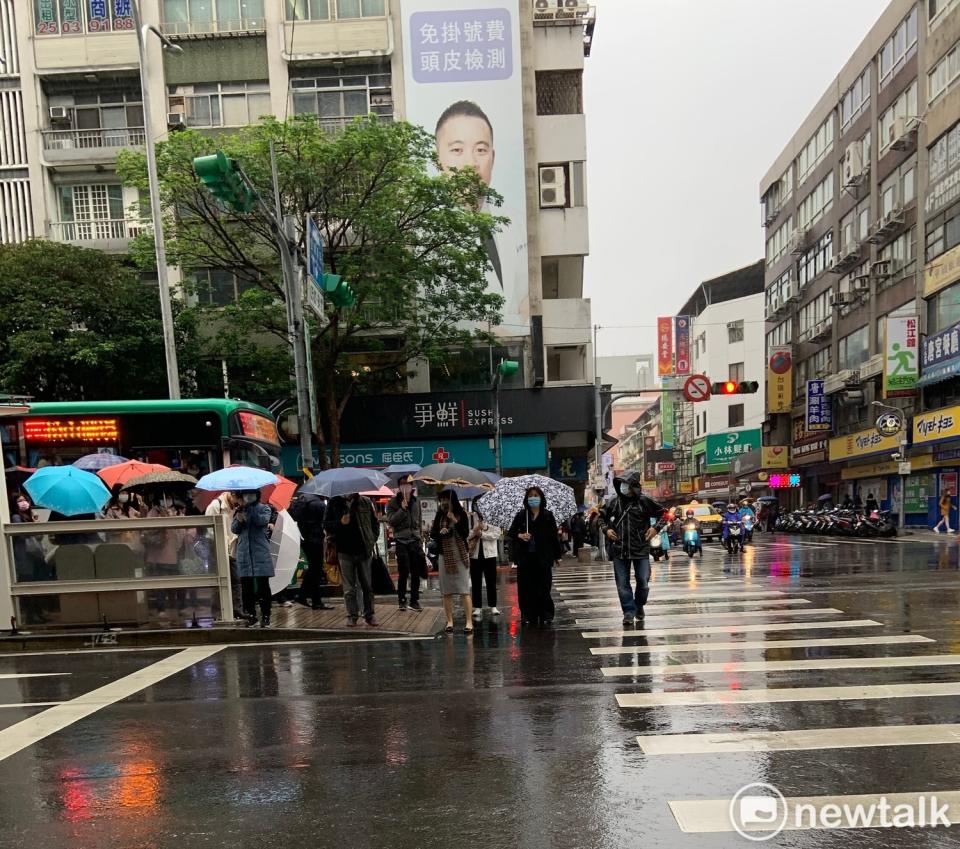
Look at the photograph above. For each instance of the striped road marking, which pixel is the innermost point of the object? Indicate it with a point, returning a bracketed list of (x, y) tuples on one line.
[(8, 676), (763, 645), (657, 598), (706, 608), (698, 816), (803, 740), (787, 694), (786, 665), (751, 614), (733, 629)]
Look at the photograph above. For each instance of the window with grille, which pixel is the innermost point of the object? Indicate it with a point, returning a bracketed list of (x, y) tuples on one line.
[(560, 92), (337, 95), (735, 331)]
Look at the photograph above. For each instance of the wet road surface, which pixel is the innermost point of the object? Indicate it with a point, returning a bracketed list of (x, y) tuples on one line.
[(825, 668)]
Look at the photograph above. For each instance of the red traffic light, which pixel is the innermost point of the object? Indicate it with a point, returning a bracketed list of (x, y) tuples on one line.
[(731, 387)]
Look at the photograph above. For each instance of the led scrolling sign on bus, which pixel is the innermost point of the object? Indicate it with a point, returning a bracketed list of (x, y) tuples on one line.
[(71, 430)]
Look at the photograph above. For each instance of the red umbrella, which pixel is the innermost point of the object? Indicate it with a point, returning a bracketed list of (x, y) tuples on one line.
[(123, 472), (277, 494)]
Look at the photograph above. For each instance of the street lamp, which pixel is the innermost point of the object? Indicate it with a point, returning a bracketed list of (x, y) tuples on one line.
[(506, 368), (166, 308)]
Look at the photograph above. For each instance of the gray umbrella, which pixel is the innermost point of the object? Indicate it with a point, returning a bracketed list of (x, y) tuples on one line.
[(452, 474), (500, 506), (161, 479), (334, 482)]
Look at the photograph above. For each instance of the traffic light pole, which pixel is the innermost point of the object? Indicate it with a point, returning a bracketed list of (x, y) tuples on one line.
[(285, 229)]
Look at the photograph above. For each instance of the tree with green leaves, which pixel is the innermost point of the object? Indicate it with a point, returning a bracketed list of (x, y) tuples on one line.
[(76, 324), (409, 240)]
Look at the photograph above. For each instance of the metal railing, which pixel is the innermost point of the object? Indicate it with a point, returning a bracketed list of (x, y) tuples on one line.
[(92, 139), (69, 573), (213, 27), (96, 229)]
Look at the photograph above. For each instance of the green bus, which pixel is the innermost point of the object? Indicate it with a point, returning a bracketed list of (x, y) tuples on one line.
[(195, 435)]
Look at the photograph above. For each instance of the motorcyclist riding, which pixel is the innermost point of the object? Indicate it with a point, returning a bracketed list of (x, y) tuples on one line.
[(731, 515), (625, 523)]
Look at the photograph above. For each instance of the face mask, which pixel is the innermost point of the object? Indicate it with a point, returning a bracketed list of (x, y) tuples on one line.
[(23, 506), (624, 489), (249, 497), (123, 498), (534, 501)]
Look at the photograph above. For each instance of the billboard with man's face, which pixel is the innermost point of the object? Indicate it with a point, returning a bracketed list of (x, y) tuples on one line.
[(462, 81)]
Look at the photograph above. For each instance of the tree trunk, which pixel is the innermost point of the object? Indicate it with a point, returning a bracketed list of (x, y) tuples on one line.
[(333, 416)]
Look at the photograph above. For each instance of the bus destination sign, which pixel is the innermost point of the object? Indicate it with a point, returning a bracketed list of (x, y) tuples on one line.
[(80, 431)]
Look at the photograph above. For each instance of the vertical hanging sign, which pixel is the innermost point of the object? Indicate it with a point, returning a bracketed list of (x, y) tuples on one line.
[(682, 329), (665, 346)]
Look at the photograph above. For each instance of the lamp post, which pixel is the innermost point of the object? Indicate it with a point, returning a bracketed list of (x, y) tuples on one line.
[(904, 464), (166, 308), (505, 368)]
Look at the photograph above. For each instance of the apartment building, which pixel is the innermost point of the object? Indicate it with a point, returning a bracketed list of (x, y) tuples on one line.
[(70, 99), (860, 214)]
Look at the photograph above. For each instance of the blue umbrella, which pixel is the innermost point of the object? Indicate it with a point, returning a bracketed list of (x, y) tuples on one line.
[(333, 482), (95, 462), (67, 490), (236, 478), (395, 470)]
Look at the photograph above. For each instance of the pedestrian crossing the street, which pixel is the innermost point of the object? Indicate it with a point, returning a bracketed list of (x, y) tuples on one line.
[(709, 639)]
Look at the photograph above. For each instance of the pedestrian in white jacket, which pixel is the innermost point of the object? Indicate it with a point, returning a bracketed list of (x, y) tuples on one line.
[(484, 553)]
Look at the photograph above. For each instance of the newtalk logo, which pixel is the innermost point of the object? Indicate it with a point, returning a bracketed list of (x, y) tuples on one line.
[(759, 812)]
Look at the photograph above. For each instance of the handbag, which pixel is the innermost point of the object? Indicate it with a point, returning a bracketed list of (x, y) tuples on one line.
[(331, 564), (382, 583)]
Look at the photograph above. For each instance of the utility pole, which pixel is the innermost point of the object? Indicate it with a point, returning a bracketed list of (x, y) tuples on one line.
[(598, 408), (163, 283)]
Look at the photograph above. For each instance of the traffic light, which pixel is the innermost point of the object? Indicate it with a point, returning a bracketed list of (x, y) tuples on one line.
[(338, 290), (221, 175), (731, 387)]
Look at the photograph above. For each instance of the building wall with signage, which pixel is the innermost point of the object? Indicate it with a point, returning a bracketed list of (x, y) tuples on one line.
[(711, 327)]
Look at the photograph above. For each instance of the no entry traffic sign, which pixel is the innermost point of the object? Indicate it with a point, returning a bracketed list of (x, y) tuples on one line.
[(696, 388)]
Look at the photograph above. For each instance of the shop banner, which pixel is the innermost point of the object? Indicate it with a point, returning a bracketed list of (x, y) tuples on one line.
[(665, 346), (809, 451), (667, 420), (920, 488), (463, 84), (682, 329), (779, 380), (948, 483), (940, 355), (863, 443), (715, 483), (723, 448), (775, 457), (901, 356), (819, 408), (941, 272), (937, 425)]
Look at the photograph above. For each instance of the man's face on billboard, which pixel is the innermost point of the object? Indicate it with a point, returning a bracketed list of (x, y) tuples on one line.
[(465, 141)]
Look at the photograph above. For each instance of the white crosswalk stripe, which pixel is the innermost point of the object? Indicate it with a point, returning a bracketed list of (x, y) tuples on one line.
[(740, 646), (733, 629), (693, 598), (706, 616), (704, 607)]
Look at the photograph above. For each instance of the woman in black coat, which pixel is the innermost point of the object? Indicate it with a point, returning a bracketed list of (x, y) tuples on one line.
[(536, 548)]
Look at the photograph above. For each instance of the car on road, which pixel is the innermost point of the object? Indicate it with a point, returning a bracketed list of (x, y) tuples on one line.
[(709, 519)]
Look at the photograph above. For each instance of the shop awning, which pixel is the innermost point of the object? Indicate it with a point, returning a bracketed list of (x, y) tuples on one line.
[(939, 373)]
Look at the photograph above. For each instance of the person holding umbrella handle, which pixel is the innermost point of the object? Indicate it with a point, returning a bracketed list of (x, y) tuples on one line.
[(536, 549), (254, 563)]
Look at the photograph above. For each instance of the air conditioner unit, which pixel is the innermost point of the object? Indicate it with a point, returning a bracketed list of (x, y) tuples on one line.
[(901, 132), (59, 113), (806, 334), (176, 120), (841, 299), (541, 5), (895, 215), (853, 163), (861, 283), (881, 268), (553, 186)]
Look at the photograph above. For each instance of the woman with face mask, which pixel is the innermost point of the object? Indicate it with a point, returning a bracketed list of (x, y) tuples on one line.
[(161, 551), (451, 527), (535, 546), (122, 504), (254, 563)]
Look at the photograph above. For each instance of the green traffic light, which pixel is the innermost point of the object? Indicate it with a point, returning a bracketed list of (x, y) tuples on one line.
[(221, 176), (508, 367)]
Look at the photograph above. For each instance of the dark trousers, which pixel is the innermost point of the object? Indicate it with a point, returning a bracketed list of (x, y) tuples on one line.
[(577, 544), (534, 583), (483, 569), (315, 578), (253, 590), (409, 564)]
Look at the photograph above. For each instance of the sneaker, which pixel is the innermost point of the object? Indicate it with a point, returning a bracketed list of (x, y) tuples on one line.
[(372, 622), (494, 611), (352, 621), (936, 530), (319, 605), (402, 605), (415, 605), (628, 620), (264, 621), (287, 604), (477, 615)]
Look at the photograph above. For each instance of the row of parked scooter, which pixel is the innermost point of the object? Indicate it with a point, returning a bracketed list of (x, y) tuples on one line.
[(842, 522)]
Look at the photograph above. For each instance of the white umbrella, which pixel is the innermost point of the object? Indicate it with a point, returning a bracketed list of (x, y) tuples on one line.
[(285, 551), (506, 500)]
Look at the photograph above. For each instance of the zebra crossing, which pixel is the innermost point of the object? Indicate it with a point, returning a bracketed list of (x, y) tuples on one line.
[(703, 630)]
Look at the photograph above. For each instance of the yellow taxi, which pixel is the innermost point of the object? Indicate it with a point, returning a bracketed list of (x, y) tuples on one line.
[(710, 520)]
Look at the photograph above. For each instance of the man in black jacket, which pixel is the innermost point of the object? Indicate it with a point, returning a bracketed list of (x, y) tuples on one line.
[(404, 518), (625, 523), (308, 512)]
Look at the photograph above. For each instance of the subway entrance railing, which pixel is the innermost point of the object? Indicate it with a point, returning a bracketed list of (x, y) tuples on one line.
[(119, 572)]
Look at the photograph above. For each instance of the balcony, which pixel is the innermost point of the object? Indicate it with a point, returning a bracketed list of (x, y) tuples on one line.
[(110, 235), (842, 263), (563, 231), (353, 37), (90, 52), (566, 321), (89, 147), (200, 29)]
